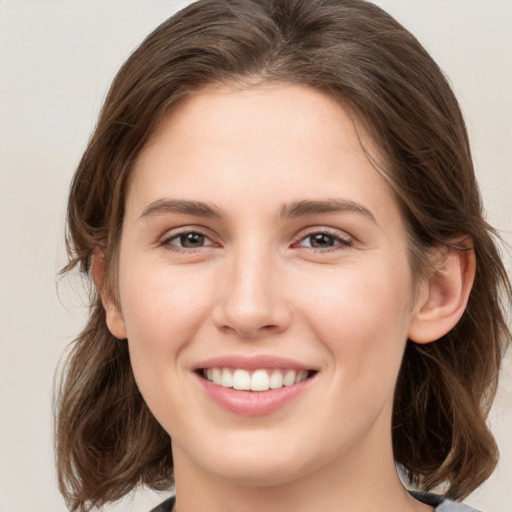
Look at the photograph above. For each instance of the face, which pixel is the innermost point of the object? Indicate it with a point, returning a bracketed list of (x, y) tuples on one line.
[(260, 249)]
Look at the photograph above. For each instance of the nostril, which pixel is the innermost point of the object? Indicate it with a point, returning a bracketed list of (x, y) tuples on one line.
[(252, 311), (246, 330)]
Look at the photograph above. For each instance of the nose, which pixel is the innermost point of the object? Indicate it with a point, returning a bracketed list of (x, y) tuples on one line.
[(252, 301)]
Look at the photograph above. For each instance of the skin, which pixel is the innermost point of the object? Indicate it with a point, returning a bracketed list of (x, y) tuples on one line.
[(255, 285)]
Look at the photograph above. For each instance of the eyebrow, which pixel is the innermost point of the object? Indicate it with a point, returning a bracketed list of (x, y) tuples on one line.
[(335, 205), (197, 208), (292, 210)]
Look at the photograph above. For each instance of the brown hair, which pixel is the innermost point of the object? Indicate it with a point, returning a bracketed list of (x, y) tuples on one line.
[(107, 440)]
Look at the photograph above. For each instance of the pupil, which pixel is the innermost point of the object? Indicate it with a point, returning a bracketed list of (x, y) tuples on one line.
[(192, 240), (322, 240)]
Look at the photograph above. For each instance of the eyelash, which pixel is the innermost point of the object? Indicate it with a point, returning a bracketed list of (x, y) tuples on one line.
[(166, 242), (341, 242)]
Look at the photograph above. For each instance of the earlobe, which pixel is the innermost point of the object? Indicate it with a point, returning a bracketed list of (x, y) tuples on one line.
[(444, 296), (113, 314)]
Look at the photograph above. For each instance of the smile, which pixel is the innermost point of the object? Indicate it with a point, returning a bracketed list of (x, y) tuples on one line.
[(255, 385), (257, 380)]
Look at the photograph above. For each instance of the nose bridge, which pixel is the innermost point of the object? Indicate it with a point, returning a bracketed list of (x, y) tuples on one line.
[(252, 301)]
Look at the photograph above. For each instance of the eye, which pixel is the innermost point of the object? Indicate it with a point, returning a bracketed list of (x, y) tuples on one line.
[(324, 240), (187, 240)]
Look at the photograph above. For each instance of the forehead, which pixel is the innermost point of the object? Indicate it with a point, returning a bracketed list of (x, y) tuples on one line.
[(253, 141), (285, 110)]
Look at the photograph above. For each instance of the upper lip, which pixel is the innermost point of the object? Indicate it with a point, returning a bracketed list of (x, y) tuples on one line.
[(252, 362)]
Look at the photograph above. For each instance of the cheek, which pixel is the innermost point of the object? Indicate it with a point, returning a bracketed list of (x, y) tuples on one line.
[(361, 315), (364, 297), (159, 301), (163, 311)]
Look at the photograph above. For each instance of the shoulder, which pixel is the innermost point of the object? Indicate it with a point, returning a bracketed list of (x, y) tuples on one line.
[(166, 506), (440, 503), (443, 505), (452, 506)]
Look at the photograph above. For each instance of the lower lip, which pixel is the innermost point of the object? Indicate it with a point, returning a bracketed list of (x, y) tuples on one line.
[(253, 403)]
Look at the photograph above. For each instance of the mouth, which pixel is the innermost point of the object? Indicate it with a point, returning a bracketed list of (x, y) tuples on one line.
[(256, 385), (258, 380)]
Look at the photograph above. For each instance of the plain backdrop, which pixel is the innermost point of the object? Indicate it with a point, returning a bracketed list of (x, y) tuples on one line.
[(57, 59)]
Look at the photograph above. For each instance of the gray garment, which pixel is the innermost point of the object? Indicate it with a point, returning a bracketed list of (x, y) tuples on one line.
[(443, 505), (452, 506)]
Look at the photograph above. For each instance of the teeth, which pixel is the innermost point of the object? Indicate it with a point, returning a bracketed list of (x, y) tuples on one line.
[(289, 378), (216, 375), (226, 379), (276, 379), (241, 380), (259, 380), (301, 375)]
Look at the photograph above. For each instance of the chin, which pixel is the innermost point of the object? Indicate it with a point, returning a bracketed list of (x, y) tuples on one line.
[(255, 464), (259, 473)]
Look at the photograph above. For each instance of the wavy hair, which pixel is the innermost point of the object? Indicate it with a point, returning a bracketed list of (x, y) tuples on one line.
[(107, 441)]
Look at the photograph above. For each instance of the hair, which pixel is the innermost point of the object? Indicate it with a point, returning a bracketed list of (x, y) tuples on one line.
[(107, 440)]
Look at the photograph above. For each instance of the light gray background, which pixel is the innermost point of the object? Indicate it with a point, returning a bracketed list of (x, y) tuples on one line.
[(57, 59)]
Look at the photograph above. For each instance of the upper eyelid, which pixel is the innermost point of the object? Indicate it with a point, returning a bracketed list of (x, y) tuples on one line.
[(301, 235), (334, 232), (175, 232), (178, 235), (165, 240)]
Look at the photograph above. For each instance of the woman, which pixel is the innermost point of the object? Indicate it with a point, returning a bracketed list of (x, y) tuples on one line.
[(295, 287)]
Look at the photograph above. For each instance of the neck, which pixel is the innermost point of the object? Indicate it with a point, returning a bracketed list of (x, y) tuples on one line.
[(355, 482)]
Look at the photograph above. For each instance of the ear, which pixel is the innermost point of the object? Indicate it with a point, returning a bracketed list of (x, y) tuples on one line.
[(114, 317), (443, 297)]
